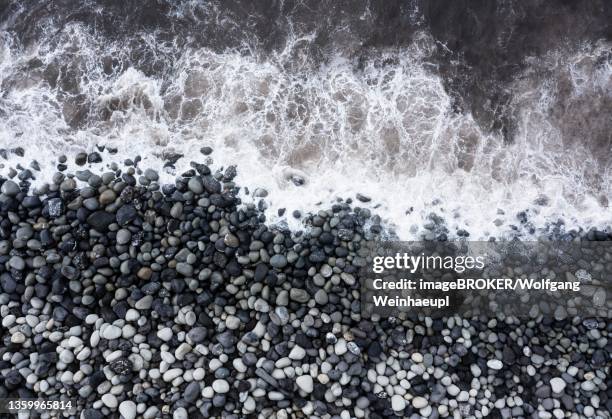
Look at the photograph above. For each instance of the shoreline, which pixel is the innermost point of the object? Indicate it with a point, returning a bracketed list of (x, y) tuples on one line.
[(436, 222)]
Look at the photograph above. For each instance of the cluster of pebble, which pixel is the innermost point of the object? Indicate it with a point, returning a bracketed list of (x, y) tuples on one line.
[(150, 300)]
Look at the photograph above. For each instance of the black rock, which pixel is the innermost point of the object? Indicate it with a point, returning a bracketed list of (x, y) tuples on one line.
[(197, 334), (600, 357), (171, 158), (81, 159), (10, 188), (100, 220), (126, 214), (31, 202), (7, 283), (508, 355), (94, 157), (92, 414), (227, 339), (13, 379), (326, 238), (122, 366), (211, 185), (191, 392)]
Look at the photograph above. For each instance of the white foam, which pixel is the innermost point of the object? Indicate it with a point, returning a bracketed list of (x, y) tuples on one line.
[(385, 129)]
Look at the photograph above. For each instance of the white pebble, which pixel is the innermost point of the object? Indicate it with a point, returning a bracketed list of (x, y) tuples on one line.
[(232, 322), (220, 386), (18, 337), (495, 364), (180, 413), (172, 374), (127, 408), (165, 334), (557, 384), (297, 353), (398, 403), (419, 402), (109, 401), (198, 374), (111, 332), (305, 383), (132, 315)]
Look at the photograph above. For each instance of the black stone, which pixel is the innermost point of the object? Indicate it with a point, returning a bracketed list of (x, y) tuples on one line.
[(80, 159), (94, 157), (198, 334), (126, 214), (92, 414), (100, 220), (211, 185)]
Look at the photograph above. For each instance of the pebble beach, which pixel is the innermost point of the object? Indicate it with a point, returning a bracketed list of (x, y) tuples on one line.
[(141, 299), (193, 195)]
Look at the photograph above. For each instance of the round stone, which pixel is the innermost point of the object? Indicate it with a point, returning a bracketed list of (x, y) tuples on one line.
[(417, 357), (191, 392), (184, 269), (107, 197), (126, 214), (123, 236), (109, 401), (19, 338), (171, 374), (398, 403), (326, 271), (197, 334), (340, 347), (24, 233), (231, 241), (144, 273), (111, 332), (17, 263), (305, 383), (180, 413), (278, 261), (261, 305), (66, 356), (557, 384), (321, 297), (453, 390), (599, 297), (151, 175), (144, 303), (297, 353), (232, 322), (220, 386), (165, 334), (587, 386), (495, 364), (299, 295), (10, 188), (127, 409), (195, 185), (177, 210), (419, 402)]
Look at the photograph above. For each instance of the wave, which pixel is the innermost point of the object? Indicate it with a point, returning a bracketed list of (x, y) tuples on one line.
[(316, 105)]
